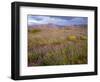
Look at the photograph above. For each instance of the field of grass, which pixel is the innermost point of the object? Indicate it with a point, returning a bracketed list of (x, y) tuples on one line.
[(57, 46)]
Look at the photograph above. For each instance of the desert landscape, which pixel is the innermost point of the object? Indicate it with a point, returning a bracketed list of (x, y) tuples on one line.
[(52, 44)]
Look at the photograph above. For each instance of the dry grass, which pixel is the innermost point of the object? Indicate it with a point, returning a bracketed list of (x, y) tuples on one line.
[(57, 46)]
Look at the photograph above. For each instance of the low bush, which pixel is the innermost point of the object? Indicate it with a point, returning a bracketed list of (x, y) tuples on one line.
[(32, 57), (83, 37), (55, 58), (72, 38), (34, 30)]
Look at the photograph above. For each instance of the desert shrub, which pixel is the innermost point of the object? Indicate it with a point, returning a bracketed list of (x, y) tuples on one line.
[(83, 37), (30, 44), (71, 54), (79, 59), (36, 42), (43, 41), (61, 46), (72, 38), (76, 54), (55, 58), (54, 41), (32, 57), (34, 30), (79, 55)]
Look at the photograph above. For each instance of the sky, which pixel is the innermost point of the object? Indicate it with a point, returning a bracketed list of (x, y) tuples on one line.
[(56, 20)]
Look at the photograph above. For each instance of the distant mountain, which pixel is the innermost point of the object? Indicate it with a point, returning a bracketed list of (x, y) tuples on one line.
[(80, 25), (56, 26)]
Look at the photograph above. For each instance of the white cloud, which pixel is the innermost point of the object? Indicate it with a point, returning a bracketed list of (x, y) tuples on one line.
[(54, 20)]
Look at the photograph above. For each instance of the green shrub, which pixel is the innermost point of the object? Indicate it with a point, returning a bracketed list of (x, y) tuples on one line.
[(33, 57), (34, 30), (79, 56), (72, 54), (83, 37), (54, 58), (72, 38)]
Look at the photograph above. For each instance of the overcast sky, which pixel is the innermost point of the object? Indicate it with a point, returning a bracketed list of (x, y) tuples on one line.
[(57, 20)]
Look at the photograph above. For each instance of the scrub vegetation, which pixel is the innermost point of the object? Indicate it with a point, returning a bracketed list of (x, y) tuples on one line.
[(57, 46)]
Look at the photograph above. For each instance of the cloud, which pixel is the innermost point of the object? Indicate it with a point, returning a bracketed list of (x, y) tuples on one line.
[(57, 20), (37, 20), (79, 20)]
